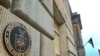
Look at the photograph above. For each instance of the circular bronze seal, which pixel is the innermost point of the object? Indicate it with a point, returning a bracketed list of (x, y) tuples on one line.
[(17, 39)]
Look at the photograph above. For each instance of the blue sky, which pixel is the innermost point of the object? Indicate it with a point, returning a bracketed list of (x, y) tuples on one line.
[(90, 17)]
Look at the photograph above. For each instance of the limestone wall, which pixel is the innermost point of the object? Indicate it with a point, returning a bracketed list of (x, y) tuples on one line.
[(46, 46), (48, 21), (7, 17), (36, 16)]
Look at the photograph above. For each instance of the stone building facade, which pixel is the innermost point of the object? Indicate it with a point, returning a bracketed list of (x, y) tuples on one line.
[(37, 28), (77, 34)]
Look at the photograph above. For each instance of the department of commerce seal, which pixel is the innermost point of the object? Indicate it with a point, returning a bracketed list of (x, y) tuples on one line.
[(17, 39)]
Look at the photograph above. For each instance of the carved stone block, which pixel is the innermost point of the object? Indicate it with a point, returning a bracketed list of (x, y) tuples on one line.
[(33, 12)]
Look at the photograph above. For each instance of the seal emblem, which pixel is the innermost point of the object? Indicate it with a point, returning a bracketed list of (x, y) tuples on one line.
[(17, 39)]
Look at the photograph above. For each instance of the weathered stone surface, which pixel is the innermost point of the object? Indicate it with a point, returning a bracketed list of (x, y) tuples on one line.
[(7, 17), (35, 14), (61, 7), (71, 47), (64, 46), (81, 52), (57, 15), (35, 49), (5, 3), (47, 46), (48, 4)]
